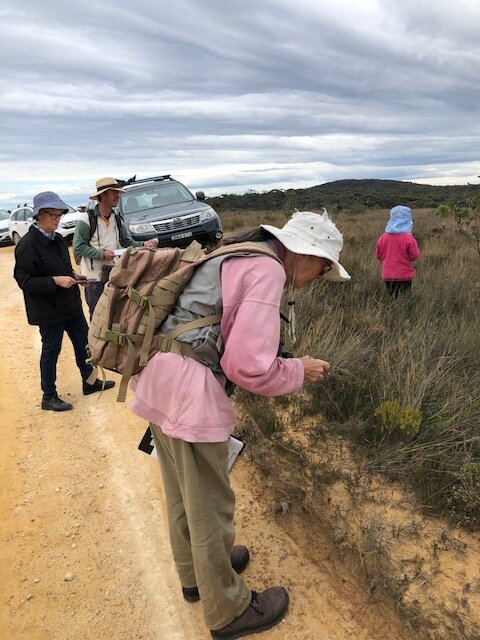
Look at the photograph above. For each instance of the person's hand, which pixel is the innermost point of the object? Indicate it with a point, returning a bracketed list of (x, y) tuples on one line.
[(64, 281), (153, 242), (315, 369), (108, 255)]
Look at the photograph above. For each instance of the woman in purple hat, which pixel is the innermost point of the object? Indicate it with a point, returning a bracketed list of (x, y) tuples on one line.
[(52, 300)]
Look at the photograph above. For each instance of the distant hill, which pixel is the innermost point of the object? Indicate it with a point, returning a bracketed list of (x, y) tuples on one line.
[(350, 194)]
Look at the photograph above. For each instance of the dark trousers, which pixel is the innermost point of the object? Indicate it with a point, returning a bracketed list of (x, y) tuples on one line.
[(52, 337), (397, 287), (92, 294)]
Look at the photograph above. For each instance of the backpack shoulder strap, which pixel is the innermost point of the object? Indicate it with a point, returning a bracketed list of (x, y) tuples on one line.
[(243, 247), (92, 221), (119, 219)]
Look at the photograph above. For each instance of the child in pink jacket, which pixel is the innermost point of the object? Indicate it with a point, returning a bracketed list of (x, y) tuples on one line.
[(397, 250)]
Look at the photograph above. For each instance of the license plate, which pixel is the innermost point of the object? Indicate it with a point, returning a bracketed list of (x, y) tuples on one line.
[(179, 236)]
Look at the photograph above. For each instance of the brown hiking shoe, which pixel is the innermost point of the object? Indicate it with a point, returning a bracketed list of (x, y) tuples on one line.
[(265, 610)]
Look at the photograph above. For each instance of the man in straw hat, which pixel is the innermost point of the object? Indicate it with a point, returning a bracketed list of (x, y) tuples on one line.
[(52, 299), (191, 417), (96, 246)]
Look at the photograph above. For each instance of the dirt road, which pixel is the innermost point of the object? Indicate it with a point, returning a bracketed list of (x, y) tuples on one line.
[(84, 542)]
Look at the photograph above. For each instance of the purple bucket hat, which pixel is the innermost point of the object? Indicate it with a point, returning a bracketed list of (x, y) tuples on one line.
[(48, 200)]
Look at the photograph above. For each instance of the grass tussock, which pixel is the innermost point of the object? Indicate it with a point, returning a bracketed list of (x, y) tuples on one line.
[(405, 379)]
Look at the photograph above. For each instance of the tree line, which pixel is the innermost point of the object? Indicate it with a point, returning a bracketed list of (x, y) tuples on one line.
[(350, 195)]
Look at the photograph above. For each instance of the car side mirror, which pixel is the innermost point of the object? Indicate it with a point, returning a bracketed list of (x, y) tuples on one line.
[(200, 195)]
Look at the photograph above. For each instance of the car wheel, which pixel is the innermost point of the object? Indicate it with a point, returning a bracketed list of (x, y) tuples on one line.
[(15, 237)]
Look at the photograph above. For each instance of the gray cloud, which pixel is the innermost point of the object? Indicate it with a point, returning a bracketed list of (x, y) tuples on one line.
[(237, 95)]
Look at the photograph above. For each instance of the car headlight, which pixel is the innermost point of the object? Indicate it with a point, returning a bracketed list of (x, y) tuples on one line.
[(142, 227), (207, 214)]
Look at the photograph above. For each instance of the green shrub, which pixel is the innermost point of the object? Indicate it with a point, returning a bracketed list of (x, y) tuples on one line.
[(395, 419)]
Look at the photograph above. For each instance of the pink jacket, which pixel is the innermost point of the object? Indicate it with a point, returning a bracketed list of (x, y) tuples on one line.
[(397, 252), (183, 396)]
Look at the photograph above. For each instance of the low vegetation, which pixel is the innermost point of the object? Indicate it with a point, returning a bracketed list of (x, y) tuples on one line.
[(404, 389)]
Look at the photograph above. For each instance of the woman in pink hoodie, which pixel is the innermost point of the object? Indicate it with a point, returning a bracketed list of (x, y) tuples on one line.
[(191, 417), (397, 250)]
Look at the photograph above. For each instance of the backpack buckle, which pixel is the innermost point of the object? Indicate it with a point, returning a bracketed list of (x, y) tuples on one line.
[(115, 336), (164, 343), (137, 297)]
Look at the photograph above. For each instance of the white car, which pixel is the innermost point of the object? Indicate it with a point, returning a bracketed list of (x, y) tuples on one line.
[(4, 233), (22, 217)]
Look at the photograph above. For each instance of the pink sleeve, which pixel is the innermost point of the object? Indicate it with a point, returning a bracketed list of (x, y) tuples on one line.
[(252, 290)]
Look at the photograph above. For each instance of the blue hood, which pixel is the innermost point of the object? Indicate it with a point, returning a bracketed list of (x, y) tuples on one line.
[(401, 220)]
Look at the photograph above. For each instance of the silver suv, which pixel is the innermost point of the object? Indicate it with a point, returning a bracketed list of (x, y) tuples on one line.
[(163, 208)]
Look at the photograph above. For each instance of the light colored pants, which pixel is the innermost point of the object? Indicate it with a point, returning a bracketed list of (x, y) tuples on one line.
[(200, 507)]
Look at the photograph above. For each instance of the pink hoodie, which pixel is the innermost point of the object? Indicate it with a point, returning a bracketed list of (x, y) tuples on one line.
[(397, 251), (183, 396)]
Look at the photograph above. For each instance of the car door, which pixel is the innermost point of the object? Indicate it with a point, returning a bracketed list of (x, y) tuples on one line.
[(20, 223)]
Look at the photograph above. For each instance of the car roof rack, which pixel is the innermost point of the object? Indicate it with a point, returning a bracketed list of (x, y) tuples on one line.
[(134, 180)]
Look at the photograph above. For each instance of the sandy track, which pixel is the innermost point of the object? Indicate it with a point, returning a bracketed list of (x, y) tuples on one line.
[(79, 501)]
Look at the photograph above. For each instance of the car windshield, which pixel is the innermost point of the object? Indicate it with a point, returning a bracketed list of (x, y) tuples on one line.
[(4, 214), (154, 197)]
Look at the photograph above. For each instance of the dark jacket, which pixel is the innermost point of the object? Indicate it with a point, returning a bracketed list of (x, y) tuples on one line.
[(37, 260)]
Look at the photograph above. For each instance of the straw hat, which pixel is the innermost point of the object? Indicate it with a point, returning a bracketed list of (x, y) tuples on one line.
[(104, 184), (313, 234)]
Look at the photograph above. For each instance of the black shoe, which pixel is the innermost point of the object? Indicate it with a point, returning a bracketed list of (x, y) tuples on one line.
[(191, 594), (98, 385), (266, 609), (239, 558), (56, 404)]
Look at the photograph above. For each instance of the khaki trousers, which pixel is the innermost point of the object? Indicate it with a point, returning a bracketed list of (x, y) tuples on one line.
[(200, 505)]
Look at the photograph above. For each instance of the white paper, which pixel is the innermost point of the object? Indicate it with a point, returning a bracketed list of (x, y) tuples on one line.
[(119, 252), (235, 446)]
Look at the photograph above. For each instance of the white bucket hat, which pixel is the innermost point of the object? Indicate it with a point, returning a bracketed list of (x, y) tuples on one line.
[(104, 184), (313, 234)]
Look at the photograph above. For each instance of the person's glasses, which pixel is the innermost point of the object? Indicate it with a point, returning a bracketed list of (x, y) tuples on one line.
[(54, 215)]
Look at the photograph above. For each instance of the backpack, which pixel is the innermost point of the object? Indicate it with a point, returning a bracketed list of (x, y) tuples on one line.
[(144, 285), (92, 221)]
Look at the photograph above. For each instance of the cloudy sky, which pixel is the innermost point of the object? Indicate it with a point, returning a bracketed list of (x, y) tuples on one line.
[(230, 95)]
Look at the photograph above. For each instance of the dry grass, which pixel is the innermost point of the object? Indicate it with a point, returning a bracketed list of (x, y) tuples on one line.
[(405, 382)]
